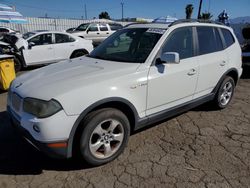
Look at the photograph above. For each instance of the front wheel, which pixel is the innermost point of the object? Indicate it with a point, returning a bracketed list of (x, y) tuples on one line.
[(105, 136), (225, 93)]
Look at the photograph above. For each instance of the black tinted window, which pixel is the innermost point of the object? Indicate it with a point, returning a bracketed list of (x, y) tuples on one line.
[(180, 41), (43, 39), (229, 39), (218, 39), (61, 38), (207, 40)]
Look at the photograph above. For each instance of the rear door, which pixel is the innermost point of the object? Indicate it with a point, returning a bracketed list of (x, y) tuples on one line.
[(104, 31), (170, 84), (42, 52), (212, 59), (64, 46)]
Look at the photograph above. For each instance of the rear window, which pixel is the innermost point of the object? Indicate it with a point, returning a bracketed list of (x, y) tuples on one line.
[(229, 39)]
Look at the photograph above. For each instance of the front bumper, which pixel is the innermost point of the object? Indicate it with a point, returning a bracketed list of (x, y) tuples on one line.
[(53, 149)]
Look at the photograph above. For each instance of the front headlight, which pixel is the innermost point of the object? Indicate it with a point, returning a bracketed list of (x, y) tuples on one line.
[(41, 108)]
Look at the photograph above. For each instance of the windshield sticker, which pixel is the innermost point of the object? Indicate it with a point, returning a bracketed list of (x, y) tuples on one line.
[(158, 31)]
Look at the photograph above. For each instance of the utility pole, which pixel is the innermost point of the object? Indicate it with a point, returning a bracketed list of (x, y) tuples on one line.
[(199, 13), (85, 11), (122, 3)]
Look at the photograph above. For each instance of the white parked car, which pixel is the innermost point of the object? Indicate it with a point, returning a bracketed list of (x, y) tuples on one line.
[(97, 32), (140, 75), (5, 30), (44, 47)]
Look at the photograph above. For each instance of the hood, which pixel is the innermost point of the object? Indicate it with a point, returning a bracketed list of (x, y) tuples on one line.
[(14, 41), (59, 78)]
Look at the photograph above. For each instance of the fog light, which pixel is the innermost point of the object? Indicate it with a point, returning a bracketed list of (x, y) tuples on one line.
[(36, 128)]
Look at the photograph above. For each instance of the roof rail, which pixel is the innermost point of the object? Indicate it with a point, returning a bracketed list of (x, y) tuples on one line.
[(137, 23), (194, 21)]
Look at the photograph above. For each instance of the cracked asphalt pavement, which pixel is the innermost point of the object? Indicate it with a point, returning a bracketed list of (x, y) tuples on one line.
[(199, 148)]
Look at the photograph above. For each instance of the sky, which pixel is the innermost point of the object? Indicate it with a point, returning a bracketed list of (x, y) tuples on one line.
[(132, 8)]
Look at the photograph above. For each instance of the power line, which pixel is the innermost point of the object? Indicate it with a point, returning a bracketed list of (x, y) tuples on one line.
[(57, 10)]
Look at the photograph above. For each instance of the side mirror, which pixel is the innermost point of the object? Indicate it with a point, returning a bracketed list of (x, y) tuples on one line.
[(87, 31), (31, 44), (170, 57)]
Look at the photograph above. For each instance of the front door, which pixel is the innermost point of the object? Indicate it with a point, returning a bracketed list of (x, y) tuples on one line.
[(41, 52), (64, 46), (170, 85), (93, 33)]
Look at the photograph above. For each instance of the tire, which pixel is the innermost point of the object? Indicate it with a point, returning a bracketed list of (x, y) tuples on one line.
[(18, 65), (225, 93), (78, 53), (100, 142)]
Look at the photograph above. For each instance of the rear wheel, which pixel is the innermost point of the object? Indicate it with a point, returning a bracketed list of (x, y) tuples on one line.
[(104, 137), (225, 93)]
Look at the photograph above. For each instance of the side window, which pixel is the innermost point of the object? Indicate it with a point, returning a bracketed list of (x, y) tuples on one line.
[(207, 41), (103, 27), (229, 39), (93, 28), (180, 41), (62, 38), (43, 39), (218, 40)]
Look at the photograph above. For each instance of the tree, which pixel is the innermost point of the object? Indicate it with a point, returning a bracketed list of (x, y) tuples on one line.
[(206, 16), (104, 15), (189, 11)]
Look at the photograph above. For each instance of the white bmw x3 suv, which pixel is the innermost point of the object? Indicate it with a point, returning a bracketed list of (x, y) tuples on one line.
[(142, 74)]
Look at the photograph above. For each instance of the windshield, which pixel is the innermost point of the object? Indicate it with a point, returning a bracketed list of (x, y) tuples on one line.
[(28, 35), (82, 27), (128, 45)]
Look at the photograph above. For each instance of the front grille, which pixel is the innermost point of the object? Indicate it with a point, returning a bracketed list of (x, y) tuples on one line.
[(16, 102)]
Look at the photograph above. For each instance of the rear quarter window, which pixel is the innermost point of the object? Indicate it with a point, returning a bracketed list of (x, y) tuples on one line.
[(228, 37)]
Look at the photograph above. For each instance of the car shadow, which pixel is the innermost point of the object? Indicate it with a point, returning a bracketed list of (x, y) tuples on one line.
[(17, 157), (2, 91)]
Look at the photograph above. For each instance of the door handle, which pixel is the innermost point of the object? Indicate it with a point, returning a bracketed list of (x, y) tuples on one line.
[(98, 33), (191, 72), (107, 33), (50, 48), (223, 63)]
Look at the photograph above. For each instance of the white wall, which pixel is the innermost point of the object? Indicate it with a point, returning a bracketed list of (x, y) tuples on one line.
[(50, 24)]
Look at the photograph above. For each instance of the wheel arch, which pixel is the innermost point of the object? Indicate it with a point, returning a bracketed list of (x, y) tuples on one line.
[(79, 50), (232, 73), (114, 102)]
